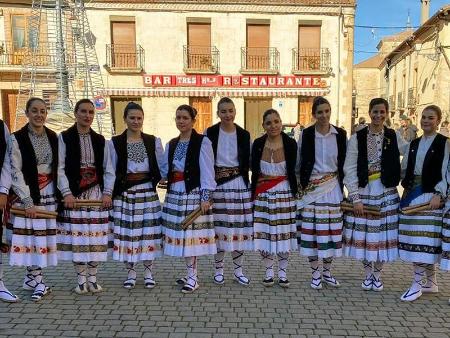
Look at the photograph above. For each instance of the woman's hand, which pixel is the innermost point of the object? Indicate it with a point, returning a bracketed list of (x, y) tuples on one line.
[(435, 202), (69, 201), (358, 209), (30, 212), (205, 207), (106, 201)]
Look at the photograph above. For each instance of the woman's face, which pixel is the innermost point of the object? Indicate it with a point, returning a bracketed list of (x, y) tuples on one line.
[(37, 114), (272, 125), (184, 121), (226, 112), (429, 121), (378, 115), (85, 115), (134, 120), (323, 114)]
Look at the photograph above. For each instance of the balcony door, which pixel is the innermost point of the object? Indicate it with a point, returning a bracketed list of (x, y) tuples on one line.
[(254, 109), (309, 48), (199, 46), (123, 44), (204, 112), (258, 47), (305, 110)]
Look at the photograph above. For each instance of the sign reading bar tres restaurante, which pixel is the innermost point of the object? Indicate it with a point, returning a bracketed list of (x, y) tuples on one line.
[(231, 81)]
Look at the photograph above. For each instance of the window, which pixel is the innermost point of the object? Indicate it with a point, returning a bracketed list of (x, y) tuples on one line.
[(123, 44), (258, 47), (199, 55), (18, 25), (309, 47)]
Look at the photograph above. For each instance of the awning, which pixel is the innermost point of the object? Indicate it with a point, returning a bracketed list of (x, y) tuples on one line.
[(212, 92)]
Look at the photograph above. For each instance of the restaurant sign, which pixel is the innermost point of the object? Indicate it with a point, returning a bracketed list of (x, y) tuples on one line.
[(231, 81)]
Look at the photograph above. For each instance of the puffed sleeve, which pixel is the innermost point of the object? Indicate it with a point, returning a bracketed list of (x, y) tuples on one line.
[(207, 176), (164, 164), (403, 145), (351, 169), (112, 153), (5, 178), (63, 182), (109, 175), (159, 153), (18, 182), (441, 186)]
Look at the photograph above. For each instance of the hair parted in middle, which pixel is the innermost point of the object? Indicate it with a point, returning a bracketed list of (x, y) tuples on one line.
[(191, 110), (318, 100), (269, 112), (132, 106), (224, 100), (80, 102)]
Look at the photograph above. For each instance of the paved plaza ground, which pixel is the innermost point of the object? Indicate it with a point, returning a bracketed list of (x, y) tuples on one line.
[(230, 310)]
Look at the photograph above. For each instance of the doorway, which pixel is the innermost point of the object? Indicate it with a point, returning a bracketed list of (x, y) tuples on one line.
[(254, 110)]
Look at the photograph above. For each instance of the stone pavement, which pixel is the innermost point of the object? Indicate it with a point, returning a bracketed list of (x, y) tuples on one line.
[(230, 310)]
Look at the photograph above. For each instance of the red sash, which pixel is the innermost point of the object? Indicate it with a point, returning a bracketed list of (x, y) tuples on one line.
[(267, 182), (88, 178), (177, 176)]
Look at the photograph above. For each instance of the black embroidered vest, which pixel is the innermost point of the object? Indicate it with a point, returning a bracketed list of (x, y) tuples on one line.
[(432, 164), (390, 159), (71, 139), (3, 144), (243, 145), (290, 155), (192, 163), (120, 145), (29, 161), (308, 157)]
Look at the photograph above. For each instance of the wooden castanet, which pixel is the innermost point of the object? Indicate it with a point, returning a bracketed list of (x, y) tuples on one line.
[(368, 209), (43, 214), (88, 203), (191, 218), (417, 208)]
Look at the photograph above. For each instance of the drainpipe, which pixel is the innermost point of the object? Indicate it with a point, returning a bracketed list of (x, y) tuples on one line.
[(339, 67)]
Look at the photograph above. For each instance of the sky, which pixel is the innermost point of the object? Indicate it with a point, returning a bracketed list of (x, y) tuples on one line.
[(384, 13)]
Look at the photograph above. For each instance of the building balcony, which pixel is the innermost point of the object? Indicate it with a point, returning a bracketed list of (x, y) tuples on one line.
[(400, 101), (260, 60), (412, 100), (123, 58), (13, 55), (311, 61), (199, 59)]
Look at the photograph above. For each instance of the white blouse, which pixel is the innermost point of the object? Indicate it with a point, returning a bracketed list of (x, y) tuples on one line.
[(326, 152), (227, 150), (5, 177), (424, 144), (273, 169), (206, 161), (137, 156), (87, 158)]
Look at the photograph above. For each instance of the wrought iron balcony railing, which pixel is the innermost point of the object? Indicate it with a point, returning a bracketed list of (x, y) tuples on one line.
[(201, 59), (412, 97), (400, 101), (265, 60), (12, 54), (309, 60), (124, 57)]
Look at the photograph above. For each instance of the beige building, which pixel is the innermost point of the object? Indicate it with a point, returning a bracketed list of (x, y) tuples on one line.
[(417, 72), (368, 75), (411, 69), (278, 53)]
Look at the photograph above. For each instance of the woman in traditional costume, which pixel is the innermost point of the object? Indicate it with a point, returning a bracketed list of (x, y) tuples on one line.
[(425, 181), (320, 159), (371, 175), (232, 207), (136, 207), (274, 187), (34, 161), (189, 169), (85, 174)]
